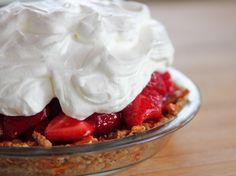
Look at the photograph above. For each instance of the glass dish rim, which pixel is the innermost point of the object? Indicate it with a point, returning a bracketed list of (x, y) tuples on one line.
[(183, 117)]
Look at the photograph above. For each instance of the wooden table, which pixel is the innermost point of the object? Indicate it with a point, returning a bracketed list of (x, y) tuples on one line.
[(204, 35)]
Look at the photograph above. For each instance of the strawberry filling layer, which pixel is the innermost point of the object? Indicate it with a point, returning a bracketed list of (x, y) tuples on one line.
[(149, 105)]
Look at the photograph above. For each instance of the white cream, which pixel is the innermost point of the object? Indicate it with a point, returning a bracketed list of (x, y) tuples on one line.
[(93, 55)]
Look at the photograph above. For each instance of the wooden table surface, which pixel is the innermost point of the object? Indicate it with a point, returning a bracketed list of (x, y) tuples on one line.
[(204, 35)]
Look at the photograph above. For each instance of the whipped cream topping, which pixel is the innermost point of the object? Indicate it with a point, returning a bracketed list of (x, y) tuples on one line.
[(93, 55)]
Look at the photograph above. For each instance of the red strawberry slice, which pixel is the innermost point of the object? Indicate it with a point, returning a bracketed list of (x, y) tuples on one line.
[(15, 126), (1, 126), (166, 76), (41, 126), (155, 97), (161, 82), (66, 129), (168, 82), (140, 110), (105, 123), (157, 83)]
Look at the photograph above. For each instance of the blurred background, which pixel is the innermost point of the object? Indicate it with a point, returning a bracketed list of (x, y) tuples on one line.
[(204, 35)]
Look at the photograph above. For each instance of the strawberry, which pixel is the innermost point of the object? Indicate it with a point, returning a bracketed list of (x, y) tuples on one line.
[(53, 109), (66, 129), (168, 82), (155, 97), (41, 126), (15, 126), (161, 82), (1, 127), (105, 123), (142, 109), (157, 83)]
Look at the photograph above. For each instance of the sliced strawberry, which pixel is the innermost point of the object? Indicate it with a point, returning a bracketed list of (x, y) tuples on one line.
[(157, 83), (161, 82), (105, 123), (168, 82), (40, 127), (66, 129), (140, 110), (1, 127), (166, 76), (155, 97), (15, 126)]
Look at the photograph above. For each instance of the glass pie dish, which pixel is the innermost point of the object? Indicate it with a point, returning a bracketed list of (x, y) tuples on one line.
[(101, 158)]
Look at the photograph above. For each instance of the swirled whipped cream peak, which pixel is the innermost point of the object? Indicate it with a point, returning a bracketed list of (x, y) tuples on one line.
[(93, 55)]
